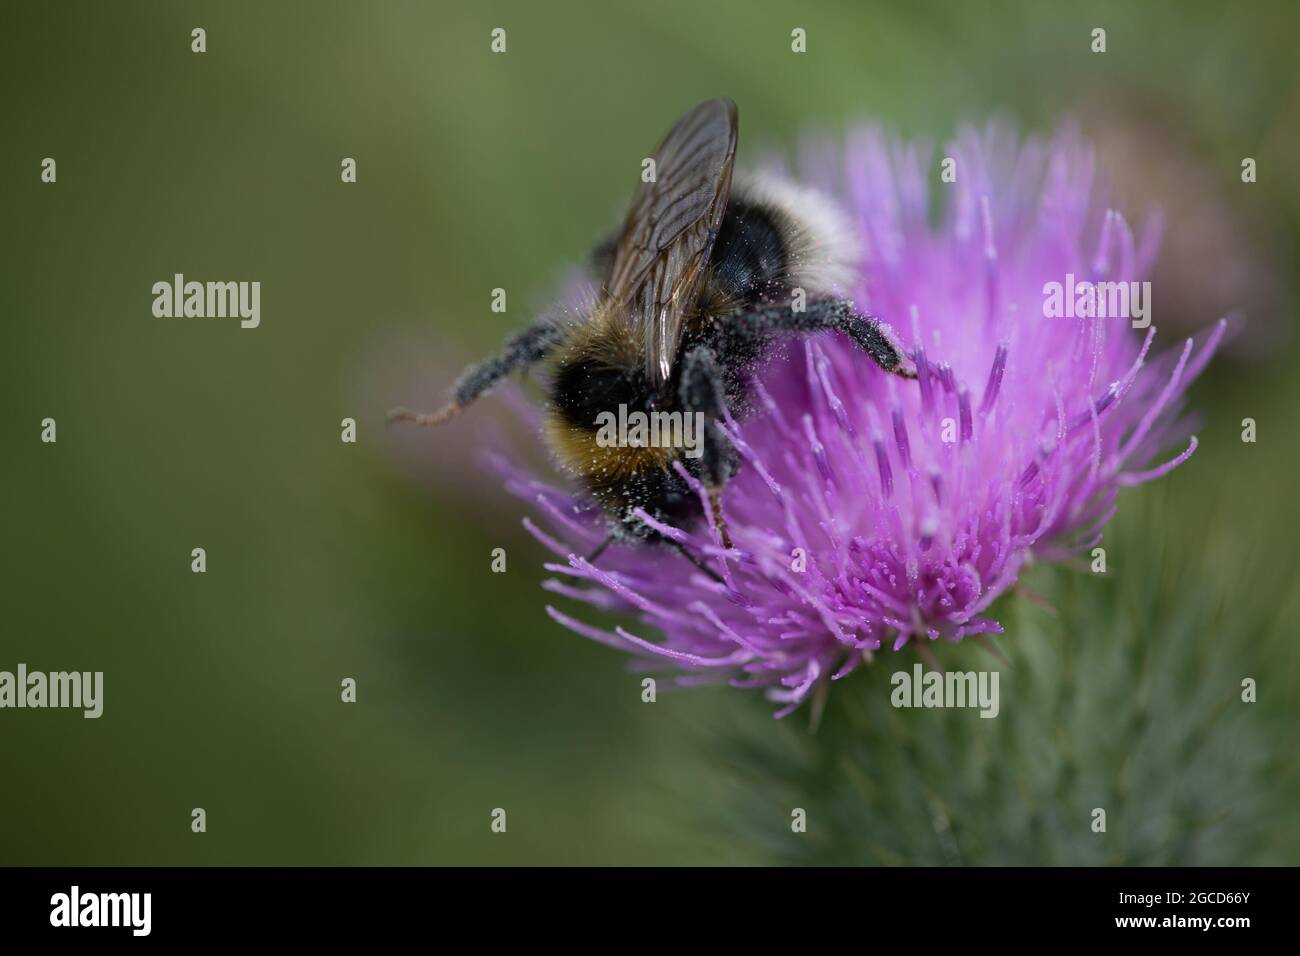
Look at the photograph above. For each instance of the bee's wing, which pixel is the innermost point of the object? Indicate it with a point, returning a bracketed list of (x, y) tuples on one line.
[(664, 249)]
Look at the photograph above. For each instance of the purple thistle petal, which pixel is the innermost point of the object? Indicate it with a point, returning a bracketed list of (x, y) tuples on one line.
[(995, 379), (1128, 479)]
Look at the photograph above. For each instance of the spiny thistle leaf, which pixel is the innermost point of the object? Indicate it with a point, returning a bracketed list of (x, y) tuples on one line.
[(1127, 699)]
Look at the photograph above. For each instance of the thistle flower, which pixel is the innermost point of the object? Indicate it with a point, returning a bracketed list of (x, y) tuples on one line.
[(871, 512)]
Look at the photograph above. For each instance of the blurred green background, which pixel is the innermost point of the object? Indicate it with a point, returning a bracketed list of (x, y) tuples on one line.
[(371, 561)]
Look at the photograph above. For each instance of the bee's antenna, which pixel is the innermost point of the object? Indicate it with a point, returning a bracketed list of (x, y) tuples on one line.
[(428, 419)]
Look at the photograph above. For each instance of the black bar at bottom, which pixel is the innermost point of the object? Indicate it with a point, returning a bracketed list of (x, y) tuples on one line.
[(333, 905)]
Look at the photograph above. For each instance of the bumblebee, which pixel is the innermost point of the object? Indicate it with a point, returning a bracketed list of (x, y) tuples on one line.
[(705, 276)]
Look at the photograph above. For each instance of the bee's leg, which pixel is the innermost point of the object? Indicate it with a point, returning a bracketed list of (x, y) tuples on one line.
[(600, 549), (700, 565), (702, 390), (522, 349), (824, 315)]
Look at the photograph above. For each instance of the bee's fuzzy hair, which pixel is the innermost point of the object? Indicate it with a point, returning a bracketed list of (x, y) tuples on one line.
[(602, 335), (822, 246)]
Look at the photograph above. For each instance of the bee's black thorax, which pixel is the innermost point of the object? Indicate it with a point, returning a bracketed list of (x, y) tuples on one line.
[(750, 260), (750, 263)]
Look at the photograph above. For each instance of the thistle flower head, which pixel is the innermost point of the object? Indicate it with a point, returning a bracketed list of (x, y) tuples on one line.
[(872, 512)]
